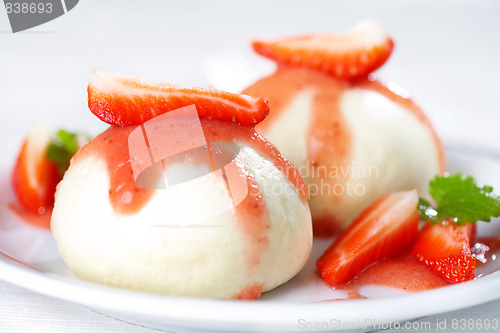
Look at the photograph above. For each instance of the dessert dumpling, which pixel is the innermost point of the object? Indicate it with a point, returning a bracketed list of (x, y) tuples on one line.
[(352, 138), (181, 195)]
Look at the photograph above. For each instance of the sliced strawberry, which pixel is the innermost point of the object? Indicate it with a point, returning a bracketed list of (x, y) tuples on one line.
[(445, 249), (346, 56), (384, 229), (34, 176), (120, 100), (472, 232)]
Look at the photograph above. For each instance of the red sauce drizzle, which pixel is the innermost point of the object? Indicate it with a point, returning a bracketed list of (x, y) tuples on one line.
[(402, 272), (112, 147), (252, 213), (250, 293), (35, 219), (253, 219), (329, 141), (406, 273)]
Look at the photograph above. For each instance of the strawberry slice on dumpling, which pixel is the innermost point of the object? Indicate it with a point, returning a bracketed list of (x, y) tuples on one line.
[(121, 100), (347, 56)]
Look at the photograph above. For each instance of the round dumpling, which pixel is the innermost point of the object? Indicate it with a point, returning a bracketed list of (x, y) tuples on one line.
[(228, 219)]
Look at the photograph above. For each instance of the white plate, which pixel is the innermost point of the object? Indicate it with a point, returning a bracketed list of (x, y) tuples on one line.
[(29, 258)]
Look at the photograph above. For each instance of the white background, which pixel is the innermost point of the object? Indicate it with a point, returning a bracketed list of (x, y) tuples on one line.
[(447, 55)]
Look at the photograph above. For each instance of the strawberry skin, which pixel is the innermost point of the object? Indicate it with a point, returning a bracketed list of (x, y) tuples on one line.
[(120, 100), (35, 177), (347, 56), (386, 228), (445, 249)]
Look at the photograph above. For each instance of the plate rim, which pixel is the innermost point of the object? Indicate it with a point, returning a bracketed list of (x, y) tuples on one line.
[(208, 311), (250, 315)]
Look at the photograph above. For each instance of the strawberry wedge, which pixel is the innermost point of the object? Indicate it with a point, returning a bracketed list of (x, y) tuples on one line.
[(385, 229), (445, 249), (35, 177), (120, 100), (346, 56)]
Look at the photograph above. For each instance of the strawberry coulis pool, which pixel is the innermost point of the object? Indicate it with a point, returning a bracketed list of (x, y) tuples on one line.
[(39, 220), (404, 272)]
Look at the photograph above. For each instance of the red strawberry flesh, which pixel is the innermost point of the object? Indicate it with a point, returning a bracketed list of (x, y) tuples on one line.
[(35, 177), (445, 249), (120, 100), (348, 56), (385, 229)]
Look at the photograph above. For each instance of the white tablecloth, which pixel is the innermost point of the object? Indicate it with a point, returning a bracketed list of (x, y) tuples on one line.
[(24, 311)]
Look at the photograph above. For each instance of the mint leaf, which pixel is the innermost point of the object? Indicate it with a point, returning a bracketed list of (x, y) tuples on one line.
[(62, 148), (460, 199)]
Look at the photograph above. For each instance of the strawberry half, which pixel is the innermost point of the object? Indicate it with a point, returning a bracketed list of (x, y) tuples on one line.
[(445, 249), (346, 56), (120, 100), (35, 177), (386, 228)]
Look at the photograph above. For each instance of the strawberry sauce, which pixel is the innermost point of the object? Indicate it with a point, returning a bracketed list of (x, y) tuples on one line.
[(406, 273), (329, 141), (253, 219), (249, 293), (128, 198), (39, 220), (112, 147), (403, 272)]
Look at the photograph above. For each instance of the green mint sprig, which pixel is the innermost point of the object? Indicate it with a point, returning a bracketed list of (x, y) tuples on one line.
[(62, 148), (460, 199)]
